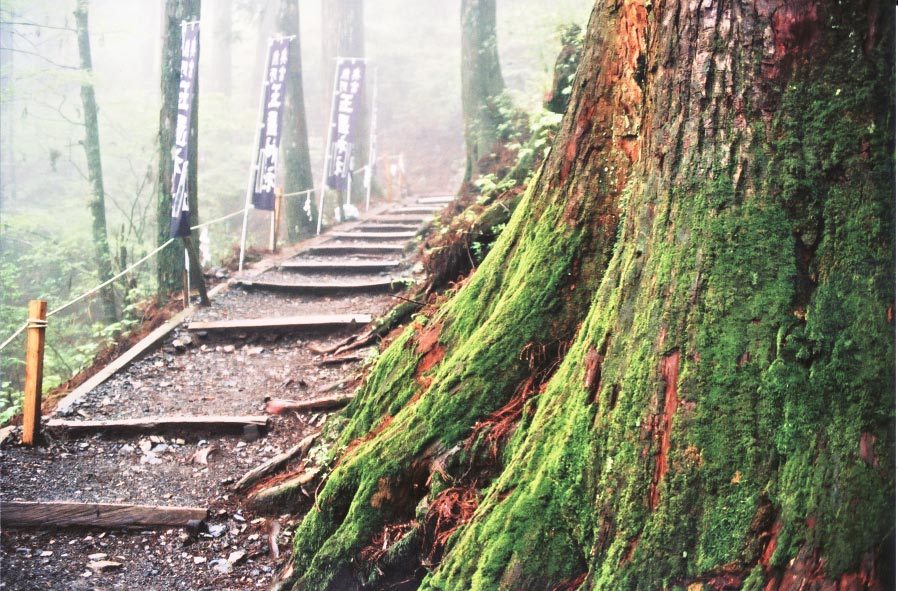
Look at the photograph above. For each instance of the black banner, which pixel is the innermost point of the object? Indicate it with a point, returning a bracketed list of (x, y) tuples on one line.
[(270, 126), (345, 109), (180, 209)]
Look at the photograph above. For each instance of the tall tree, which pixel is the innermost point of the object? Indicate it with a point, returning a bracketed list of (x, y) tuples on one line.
[(675, 369), (222, 37), (301, 216), (7, 120), (170, 262), (481, 81), (91, 143), (343, 28)]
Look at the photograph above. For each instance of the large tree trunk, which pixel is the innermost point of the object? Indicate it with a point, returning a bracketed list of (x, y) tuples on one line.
[(301, 210), (481, 81), (170, 261), (675, 368), (343, 35), (97, 202)]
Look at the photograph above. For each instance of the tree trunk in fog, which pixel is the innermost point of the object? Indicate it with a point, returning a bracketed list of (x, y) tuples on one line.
[(481, 81), (267, 15), (7, 92), (300, 209), (222, 35), (97, 202), (170, 262), (343, 35), (675, 368)]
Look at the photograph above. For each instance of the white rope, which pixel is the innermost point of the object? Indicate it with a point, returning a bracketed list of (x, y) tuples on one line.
[(215, 221), (105, 283), (14, 335), (298, 193)]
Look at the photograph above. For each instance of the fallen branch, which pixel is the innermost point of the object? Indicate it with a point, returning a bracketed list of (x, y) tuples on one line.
[(328, 350), (275, 463), (277, 406), (341, 360)]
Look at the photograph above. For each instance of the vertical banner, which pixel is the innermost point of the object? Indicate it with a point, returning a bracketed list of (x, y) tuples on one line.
[(180, 208), (345, 109), (270, 126)]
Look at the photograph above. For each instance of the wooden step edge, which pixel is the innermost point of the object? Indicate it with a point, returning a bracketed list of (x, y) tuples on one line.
[(47, 514), (317, 288), (288, 322), (214, 423)]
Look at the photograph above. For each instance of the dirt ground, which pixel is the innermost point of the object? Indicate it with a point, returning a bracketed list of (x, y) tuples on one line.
[(189, 374)]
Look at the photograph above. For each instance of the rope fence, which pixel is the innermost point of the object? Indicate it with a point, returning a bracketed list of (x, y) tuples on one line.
[(97, 289)]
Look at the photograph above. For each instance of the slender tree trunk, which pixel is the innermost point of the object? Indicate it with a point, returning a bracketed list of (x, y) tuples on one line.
[(222, 34), (97, 203), (481, 81), (170, 262), (7, 96), (300, 209), (343, 27), (675, 369)]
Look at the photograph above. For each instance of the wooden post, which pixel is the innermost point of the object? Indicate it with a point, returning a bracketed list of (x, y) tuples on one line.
[(34, 370), (276, 219)]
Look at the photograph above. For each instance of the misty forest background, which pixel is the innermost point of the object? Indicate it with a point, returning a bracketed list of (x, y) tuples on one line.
[(45, 225)]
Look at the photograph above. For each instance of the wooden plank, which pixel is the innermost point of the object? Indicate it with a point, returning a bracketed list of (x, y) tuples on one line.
[(398, 218), (376, 286), (372, 235), (131, 355), (437, 199), (46, 514), (34, 370), (357, 249), (205, 423), (278, 406), (342, 266), (284, 322), (416, 209), (385, 227), (276, 463)]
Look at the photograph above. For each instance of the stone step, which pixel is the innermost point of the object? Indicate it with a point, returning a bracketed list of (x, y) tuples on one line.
[(318, 288), (319, 321), (350, 248), (371, 235), (343, 267)]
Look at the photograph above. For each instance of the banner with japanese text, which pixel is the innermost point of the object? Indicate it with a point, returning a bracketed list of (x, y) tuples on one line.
[(180, 212), (270, 126), (346, 109)]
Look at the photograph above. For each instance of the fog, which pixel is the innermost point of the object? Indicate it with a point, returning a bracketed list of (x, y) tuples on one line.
[(44, 221)]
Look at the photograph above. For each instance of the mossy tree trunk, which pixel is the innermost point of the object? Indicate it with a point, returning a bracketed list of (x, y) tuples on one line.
[(343, 27), (170, 261), (689, 322), (91, 143), (300, 209), (481, 81)]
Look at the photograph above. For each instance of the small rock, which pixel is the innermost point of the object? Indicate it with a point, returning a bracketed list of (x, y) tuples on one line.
[(185, 538), (97, 557), (23, 552), (126, 449), (254, 350), (103, 566), (199, 559), (46, 553), (221, 565), (236, 557), (217, 530), (145, 445), (179, 441), (159, 363), (238, 517), (150, 458), (229, 348), (159, 448), (157, 439)]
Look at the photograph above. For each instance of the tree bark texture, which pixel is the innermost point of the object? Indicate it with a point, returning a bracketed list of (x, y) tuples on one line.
[(675, 368), (170, 261), (91, 143), (343, 27), (481, 81), (300, 209)]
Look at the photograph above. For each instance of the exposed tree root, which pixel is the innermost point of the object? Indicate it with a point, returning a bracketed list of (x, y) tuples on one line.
[(275, 463), (451, 509)]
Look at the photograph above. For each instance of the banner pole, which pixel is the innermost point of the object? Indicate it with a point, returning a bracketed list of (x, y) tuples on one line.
[(369, 170), (330, 137), (253, 162)]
